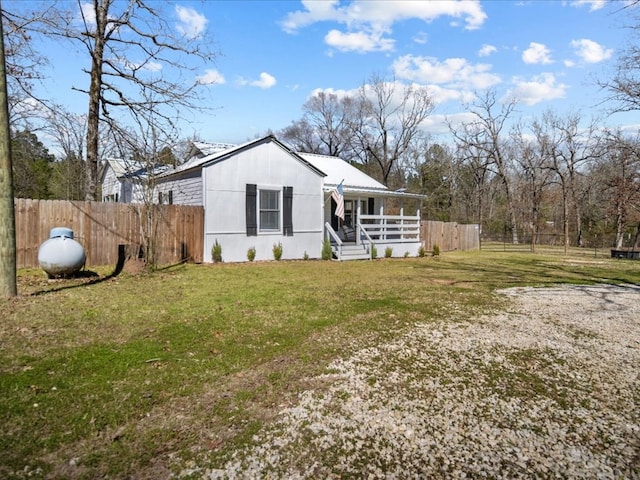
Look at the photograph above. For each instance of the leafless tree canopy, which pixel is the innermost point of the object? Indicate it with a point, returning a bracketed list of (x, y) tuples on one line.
[(140, 69)]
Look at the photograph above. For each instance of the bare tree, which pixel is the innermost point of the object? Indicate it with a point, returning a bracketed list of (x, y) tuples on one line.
[(388, 121), (624, 87), (579, 147), (331, 117), (326, 126), (301, 136), (68, 132), (536, 176), (133, 50), (486, 137), (24, 65), (620, 179)]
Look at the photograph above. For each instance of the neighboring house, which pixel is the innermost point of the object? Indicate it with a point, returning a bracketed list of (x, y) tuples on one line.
[(125, 181), (261, 193)]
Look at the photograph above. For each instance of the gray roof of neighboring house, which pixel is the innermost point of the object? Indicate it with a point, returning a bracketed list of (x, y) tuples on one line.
[(129, 168), (202, 149)]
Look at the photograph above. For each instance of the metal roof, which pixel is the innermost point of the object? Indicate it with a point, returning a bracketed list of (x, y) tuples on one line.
[(202, 149), (219, 155), (338, 171), (130, 168), (353, 180)]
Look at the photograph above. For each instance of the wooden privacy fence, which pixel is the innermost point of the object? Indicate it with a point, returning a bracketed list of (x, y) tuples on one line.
[(449, 236), (101, 227)]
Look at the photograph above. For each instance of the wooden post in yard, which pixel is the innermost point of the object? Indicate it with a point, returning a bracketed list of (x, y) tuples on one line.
[(8, 283)]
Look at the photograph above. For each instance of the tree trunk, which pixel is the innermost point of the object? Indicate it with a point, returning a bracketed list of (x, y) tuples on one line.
[(8, 284), (620, 224), (512, 212), (565, 220), (93, 117)]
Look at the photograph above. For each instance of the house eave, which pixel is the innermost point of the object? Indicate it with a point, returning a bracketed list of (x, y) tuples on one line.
[(375, 192)]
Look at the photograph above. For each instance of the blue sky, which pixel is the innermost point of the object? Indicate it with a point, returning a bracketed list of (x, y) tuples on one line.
[(275, 54)]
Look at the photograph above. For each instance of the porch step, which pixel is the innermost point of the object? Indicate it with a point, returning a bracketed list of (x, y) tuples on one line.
[(353, 252)]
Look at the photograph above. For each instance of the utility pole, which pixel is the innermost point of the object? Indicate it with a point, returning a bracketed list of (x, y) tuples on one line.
[(8, 285)]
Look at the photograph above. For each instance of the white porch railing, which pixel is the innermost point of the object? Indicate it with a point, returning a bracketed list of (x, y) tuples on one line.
[(330, 232), (358, 250), (390, 228), (382, 230)]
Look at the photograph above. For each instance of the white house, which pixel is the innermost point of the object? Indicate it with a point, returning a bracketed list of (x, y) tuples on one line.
[(125, 180), (261, 193), (255, 195)]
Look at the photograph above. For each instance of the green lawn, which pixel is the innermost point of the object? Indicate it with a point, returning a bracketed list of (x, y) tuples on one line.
[(131, 376)]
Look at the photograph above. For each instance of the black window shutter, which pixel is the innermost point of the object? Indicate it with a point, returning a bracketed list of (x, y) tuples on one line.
[(370, 206), (287, 212), (251, 206)]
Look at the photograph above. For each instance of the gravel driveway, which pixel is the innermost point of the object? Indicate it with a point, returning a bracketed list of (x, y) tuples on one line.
[(547, 389)]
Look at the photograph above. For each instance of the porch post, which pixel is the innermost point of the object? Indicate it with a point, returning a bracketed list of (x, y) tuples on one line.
[(402, 223), (358, 223), (383, 224)]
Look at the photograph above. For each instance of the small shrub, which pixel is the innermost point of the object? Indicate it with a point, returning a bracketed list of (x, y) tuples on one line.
[(388, 252), (305, 256), (406, 254), (436, 250), (277, 251), (327, 253), (251, 254), (374, 252), (216, 252), (421, 252)]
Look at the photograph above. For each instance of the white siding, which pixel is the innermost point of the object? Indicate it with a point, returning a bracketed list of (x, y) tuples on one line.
[(268, 166), (186, 188), (110, 184)]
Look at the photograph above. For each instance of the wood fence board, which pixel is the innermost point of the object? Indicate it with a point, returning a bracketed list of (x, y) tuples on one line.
[(101, 227), (449, 236)]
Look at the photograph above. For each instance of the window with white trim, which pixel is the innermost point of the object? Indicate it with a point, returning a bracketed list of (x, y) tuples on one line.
[(269, 210)]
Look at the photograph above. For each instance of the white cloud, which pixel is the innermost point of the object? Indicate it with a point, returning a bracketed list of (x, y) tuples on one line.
[(540, 88), (191, 23), (536, 53), (340, 93), (265, 81), (421, 38), (438, 124), (453, 72), (88, 13), (443, 94), (486, 50), (590, 51), (368, 16), (368, 24), (593, 4), (211, 77), (358, 42)]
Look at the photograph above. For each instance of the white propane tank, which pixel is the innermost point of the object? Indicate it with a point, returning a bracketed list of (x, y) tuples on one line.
[(61, 255)]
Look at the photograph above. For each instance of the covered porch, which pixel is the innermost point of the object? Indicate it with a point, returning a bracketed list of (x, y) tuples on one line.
[(373, 216), (367, 226)]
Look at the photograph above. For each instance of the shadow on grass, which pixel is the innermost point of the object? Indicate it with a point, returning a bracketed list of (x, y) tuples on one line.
[(95, 277), (516, 271)]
